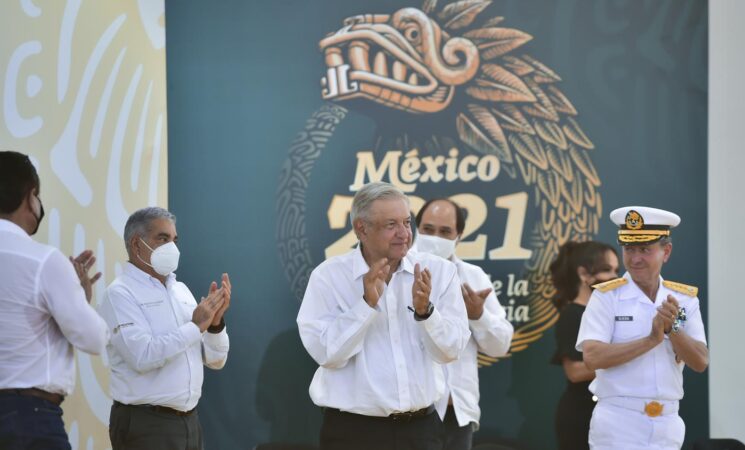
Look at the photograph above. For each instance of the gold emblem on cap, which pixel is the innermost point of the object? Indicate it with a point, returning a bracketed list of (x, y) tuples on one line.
[(653, 409), (634, 220)]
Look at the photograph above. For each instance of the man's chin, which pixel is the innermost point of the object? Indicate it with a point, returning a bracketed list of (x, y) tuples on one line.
[(397, 251)]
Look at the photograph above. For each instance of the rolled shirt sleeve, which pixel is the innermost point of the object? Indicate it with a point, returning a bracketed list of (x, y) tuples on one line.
[(215, 348)]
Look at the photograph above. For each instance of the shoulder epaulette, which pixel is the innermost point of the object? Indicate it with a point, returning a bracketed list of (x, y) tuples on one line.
[(610, 285), (691, 291)]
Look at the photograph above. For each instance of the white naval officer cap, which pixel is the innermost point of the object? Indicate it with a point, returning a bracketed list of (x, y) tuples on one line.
[(643, 225)]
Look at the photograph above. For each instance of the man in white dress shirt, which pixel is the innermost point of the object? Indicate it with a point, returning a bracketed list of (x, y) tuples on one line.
[(440, 224), (45, 313), (637, 333), (160, 338), (379, 321)]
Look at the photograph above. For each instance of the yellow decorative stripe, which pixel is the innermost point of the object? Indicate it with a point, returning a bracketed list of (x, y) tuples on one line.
[(610, 285), (691, 291), (655, 232), (638, 238)]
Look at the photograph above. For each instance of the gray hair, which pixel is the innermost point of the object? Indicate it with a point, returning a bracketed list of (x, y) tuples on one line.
[(138, 223), (370, 192)]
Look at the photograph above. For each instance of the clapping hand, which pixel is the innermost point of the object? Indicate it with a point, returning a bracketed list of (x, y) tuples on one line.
[(374, 281), (421, 289), (474, 300), (82, 264), (226, 286)]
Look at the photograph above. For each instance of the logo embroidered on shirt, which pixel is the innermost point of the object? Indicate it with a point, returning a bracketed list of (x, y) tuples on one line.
[(624, 318), (124, 325)]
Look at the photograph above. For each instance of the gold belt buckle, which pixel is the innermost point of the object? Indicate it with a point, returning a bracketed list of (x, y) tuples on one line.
[(653, 409)]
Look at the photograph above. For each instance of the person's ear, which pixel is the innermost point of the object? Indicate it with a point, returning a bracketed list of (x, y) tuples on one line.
[(668, 249), (360, 228), (29, 199), (135, 245), (583, 275)]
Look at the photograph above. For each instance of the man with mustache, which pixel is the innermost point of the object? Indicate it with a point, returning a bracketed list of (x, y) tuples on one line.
[(379, 320)]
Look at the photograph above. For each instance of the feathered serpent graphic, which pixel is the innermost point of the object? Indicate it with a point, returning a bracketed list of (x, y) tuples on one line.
[(419, 60)]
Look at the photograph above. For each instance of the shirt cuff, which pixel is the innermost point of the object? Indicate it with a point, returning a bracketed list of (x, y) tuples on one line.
[(433, 322), (191, 333), (218, 341), (363, 311), (483, 323)]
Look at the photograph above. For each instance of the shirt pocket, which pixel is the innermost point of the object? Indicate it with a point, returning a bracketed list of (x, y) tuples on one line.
[(186, 310), (628, 323), (157, 313)]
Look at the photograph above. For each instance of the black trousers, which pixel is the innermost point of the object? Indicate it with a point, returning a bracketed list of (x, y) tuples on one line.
[(454, 436), (346, 431), (140, 428), (31, 423)]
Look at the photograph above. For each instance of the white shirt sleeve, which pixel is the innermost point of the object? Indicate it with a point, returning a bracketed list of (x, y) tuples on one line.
[(60, 290), (492, 331), (445, 332), (694, 326), (331, 331), (215, 348), (132, 336), (597, 321)]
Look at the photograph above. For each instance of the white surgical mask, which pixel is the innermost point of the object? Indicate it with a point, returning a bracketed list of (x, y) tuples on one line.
[(164, 259), (444, 248)]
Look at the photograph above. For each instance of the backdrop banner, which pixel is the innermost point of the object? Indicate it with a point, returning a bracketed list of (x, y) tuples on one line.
[(538, 117)]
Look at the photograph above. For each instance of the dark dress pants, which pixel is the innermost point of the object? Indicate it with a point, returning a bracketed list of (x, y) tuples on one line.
[(31, 423), (346, 431), (454, 436), (140, 428)]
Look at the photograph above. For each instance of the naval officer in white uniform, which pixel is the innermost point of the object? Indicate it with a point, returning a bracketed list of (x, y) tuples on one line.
[(638, 333)]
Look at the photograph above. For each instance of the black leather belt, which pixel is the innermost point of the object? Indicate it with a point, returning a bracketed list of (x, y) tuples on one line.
[(158, 408), (406, 416), (35, 392)]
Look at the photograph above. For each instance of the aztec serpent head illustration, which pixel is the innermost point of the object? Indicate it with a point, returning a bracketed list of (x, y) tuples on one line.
[(504, 102)]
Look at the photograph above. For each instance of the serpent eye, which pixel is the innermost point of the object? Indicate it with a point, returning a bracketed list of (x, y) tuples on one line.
[(412, 34)]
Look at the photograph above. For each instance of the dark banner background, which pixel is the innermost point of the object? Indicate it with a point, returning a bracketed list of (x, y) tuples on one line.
[(243, 80)]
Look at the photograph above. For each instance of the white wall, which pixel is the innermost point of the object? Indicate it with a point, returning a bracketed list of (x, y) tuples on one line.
[(726, 325)]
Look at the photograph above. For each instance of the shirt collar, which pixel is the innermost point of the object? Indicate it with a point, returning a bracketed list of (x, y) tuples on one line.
[(360, 267), (143, 277), (12, 227), (639, 294)]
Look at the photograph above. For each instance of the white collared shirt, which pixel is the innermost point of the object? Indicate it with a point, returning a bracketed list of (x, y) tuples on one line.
[(156, 352), (378, 361), (625, 314), (491, 334), (43, 314)]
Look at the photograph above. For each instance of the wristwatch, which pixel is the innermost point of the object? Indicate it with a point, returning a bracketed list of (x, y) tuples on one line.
[(214, 329), (425, 316)]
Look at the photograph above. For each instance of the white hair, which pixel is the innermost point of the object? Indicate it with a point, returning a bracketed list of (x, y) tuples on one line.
[(365, 197), (139, 222)]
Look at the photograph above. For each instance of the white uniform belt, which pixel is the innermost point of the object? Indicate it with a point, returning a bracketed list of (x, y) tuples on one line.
[(646, 406)]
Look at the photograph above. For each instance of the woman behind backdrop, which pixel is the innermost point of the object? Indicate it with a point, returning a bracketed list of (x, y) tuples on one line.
[(576, 269)]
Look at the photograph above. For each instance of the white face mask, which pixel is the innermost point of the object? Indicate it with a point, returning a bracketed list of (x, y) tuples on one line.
[(444, 248), (164, 259)]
